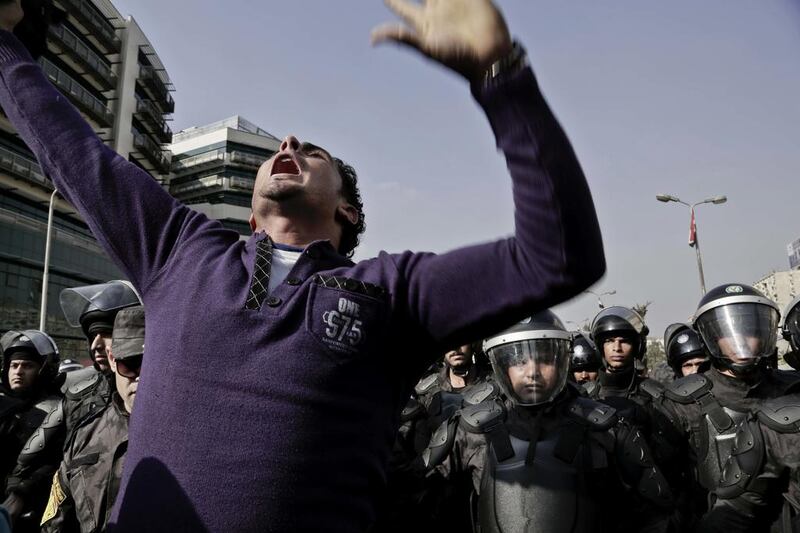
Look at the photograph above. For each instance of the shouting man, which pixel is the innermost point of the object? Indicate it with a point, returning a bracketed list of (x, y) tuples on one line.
[(277, 368)]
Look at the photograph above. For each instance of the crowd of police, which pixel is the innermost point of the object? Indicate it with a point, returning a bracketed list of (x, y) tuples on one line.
[(534, 429), (543, 429), (63, 427)]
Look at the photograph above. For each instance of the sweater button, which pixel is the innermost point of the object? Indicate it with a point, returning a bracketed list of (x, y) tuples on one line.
[(312, 253), (273, 301), (294, 282)]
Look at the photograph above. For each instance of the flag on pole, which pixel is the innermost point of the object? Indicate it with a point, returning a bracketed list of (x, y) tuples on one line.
[(692, 231)]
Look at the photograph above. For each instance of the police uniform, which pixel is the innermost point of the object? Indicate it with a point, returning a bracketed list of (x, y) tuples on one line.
[(85, 487), (761, 478), (705, 408), (556, 469)]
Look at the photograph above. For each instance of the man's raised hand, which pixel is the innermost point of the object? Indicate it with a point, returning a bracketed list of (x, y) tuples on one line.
[(466, 36), (10, 14)]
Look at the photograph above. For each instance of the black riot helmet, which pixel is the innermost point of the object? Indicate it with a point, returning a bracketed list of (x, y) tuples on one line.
[(33, 345), (531, 359), (93, 307), (584, 355), (791, 324), (682, 343), (620, 321), (739, 327)]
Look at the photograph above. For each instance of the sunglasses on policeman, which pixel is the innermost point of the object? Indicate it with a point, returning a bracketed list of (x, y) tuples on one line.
[(129, 367)]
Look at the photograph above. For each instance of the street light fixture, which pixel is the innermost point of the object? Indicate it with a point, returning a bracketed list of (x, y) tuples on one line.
[(694, 241), (599, 301)]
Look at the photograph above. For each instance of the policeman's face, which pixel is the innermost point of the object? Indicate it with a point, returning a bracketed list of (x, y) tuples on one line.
[(460, 357), (584, 376), (741, 349), (300, 179), (128, 383), (100, 348), (692, 366), (531, 381), (618, 352), (22, 374)]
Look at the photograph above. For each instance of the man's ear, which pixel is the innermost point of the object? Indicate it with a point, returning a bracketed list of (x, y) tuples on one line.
[(253, 222), (348, 212), (112, 361)]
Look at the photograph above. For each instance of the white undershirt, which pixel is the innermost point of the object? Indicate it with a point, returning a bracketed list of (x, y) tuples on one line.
[(282, 263)]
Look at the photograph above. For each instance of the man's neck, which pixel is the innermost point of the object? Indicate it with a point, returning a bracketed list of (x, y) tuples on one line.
[(460, 381), (299, 232)]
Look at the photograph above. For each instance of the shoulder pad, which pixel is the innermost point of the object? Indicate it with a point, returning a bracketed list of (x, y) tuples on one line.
[(591, 389), (483, 417), (441, 443), (411, 411), (598, 416), (688, 389), (781, 414), (480, 392), (652, 388), (83, 384), (426, 384)]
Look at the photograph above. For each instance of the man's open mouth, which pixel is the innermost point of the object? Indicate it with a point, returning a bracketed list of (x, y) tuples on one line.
[(285, 164)]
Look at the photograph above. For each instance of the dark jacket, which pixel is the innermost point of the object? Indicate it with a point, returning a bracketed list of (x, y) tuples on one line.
[(86, 485)]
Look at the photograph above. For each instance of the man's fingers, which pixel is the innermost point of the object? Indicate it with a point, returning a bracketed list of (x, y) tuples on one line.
[(397, 33), (406, 10)]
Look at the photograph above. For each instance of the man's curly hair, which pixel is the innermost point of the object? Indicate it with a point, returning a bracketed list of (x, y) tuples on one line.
[(351, 233)]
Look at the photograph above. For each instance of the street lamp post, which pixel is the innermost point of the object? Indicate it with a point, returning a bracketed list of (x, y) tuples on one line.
[(598, 296), (694, 240), (46, 271)]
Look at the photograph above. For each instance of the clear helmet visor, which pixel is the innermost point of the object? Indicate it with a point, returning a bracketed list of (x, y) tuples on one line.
[(531, 372), (77, 301), (741, 332)]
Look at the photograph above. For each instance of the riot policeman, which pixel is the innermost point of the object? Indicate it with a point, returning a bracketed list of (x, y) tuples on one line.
[(29, 401), (621, 338), (544, 457), (93, 309), (685, 351), (584, 362), (84, 488), (738, 326)]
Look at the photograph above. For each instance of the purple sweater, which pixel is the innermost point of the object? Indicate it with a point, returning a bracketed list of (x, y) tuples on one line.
[(281, 419)]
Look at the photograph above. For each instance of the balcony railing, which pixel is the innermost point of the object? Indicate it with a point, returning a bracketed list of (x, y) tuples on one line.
[(151, 151), (23, 167), (213, 182), (85, 56), (83, 98), (153, 118), (99, 27), (150, 80), (218, 157), (199, 161)]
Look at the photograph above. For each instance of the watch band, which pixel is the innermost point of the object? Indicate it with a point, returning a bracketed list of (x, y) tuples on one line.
[(515, 61)]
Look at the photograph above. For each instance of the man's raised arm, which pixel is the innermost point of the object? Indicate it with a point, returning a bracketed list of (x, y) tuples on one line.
[(129, 213), (556, 251)]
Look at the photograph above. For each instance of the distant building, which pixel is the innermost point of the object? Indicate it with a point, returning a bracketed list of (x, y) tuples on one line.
[(214, 168), (107, 68), (793, 250)]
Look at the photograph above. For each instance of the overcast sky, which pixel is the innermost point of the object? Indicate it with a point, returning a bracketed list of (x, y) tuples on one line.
[(694, 99)]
